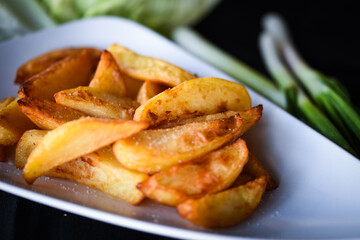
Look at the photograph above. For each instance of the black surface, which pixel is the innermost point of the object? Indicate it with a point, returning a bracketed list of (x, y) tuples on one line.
[(324, 32)]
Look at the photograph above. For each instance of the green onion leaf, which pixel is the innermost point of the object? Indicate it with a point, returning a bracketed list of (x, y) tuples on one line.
[(328, 94), (297, 101)]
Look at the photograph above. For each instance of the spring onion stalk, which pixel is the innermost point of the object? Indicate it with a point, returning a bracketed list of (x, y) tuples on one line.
[(279, 73), (302, 106), (327, 93), (199, 46)]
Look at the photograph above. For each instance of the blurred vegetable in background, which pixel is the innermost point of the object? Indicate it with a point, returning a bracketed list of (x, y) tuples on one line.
[(160, 15), (18, 17)]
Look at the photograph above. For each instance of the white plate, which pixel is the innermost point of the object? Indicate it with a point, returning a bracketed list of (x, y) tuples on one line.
[(319, 192)]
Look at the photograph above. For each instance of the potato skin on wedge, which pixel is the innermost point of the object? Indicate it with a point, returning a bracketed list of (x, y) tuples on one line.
[(199, 96), (151, 151), (47, 114), (249, 118), (224, 209), (108, 76), (97, 103), (68, 73), (40, 63), (75, 139), (211, 173), (148, 68)]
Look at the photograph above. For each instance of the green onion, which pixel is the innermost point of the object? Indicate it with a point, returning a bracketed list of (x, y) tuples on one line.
[(298, 102), (328, 94)]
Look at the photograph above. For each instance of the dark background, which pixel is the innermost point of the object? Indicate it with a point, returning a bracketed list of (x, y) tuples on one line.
[(326, 36)]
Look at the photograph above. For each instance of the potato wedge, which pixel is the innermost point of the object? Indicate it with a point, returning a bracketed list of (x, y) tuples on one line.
[(195, 97), (211, 173), (13, 123), (27, 143), (74, 139), (99, 169), (6, 101), (151, 151), (224, 209), (149, 90), (97, 103), (242, 179), (132, 86), (40, 63), (46, 114), (102, 171), (108, 76), (68, 73), (249, 118), (252, 170), (148, 68), (256, 170)]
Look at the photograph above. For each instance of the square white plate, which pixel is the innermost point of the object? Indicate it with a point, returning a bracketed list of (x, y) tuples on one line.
[(319, 183)]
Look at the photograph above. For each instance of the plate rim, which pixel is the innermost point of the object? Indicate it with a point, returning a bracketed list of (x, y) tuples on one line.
[(150, 226)]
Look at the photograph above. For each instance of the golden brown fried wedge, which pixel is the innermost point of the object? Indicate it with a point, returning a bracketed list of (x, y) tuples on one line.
[(6, 101), (108, 76), (68, 73), (132, 86), (13, 123), (224, 209), (97, 103), (256, 170), (242, 179), (46, 114), (149, 90), (148, 68), (99, 169), (151, 151), (252, 170), (249, 117), (74, 139), (40, 63), (195, 97), (211, 173), (102, 171), (27, 143)]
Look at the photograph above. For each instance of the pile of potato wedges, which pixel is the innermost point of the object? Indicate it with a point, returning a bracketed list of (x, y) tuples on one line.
[(135, 126)]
